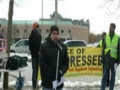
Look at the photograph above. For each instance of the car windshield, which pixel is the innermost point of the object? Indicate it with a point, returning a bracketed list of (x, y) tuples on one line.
[(22, 43), (75, 44), (26, 43)]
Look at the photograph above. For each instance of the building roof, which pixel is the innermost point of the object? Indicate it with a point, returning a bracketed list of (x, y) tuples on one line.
[(3, 21), (43, 21), (47, 22)]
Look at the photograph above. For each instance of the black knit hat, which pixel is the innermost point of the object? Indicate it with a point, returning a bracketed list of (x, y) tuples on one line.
[(53, 28)]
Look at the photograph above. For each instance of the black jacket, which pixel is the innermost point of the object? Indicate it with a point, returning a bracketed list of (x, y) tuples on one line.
[(48, 62), (34, 43)]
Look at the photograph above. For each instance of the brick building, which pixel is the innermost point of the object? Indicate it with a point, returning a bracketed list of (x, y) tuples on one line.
[(69, 29)]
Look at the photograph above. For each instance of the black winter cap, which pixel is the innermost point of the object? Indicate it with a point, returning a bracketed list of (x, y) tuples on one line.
[(53, 28)]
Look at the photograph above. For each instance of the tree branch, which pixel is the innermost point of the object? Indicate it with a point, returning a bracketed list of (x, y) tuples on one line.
[(111, 7)]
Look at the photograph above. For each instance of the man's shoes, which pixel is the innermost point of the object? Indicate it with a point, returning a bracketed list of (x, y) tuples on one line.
[(107, 84)]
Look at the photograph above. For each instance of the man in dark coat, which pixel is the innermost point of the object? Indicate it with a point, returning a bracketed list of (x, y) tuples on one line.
[(34, 47), (110, 55), (54, 60)]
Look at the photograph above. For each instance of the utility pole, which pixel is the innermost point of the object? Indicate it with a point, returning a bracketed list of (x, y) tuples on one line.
[(43, 34), (56, 11), (10, 14), (14, 33), (1, 31), (42, 11)]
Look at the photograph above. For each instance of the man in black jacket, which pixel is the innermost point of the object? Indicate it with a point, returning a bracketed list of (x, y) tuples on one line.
[(54, 60), (34, 47)]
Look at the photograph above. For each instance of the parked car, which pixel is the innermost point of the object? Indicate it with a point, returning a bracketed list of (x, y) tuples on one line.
[(21, 46), (75, 43)]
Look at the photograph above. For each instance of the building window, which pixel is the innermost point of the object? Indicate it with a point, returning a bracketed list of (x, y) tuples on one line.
[(62, 31), (47, 30), (17, 30), (69, 31)]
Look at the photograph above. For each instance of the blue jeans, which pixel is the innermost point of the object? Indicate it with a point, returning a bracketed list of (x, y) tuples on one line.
[(105, 76), (35, 62), (44, 88)]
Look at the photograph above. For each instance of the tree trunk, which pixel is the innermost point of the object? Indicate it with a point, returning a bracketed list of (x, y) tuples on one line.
[(10, 14)]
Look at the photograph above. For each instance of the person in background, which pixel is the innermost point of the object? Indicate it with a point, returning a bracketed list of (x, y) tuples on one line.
[(34, 47), (101, 42), (110, 55), (54, 61)]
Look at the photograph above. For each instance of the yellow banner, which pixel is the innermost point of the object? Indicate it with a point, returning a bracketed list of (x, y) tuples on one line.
[(83, 61)]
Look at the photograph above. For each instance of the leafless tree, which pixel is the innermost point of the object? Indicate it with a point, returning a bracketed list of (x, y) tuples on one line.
[(10, 15), (111, 7)]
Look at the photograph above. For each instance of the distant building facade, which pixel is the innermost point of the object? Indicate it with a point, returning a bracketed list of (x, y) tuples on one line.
[(69, 29)]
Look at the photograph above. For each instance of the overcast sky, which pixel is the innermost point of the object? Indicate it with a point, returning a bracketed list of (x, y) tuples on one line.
[(94, 10)]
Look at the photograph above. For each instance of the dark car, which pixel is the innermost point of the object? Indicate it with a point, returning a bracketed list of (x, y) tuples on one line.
[(75, 43)]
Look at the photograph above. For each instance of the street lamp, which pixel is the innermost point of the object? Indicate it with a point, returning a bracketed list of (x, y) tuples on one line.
[(42, 11), (56, 11), (41, 27)]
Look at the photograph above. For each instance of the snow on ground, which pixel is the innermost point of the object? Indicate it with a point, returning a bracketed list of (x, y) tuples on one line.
[(22, 54), (76, 83), (68, 84)]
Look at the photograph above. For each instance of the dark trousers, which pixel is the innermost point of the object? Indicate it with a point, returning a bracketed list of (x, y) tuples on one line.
[(108, 81), (44, 88), (105, 77), (35, 62)]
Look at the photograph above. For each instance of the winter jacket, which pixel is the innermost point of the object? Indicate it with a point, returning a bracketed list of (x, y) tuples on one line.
[(48, 62), (34, 43)]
